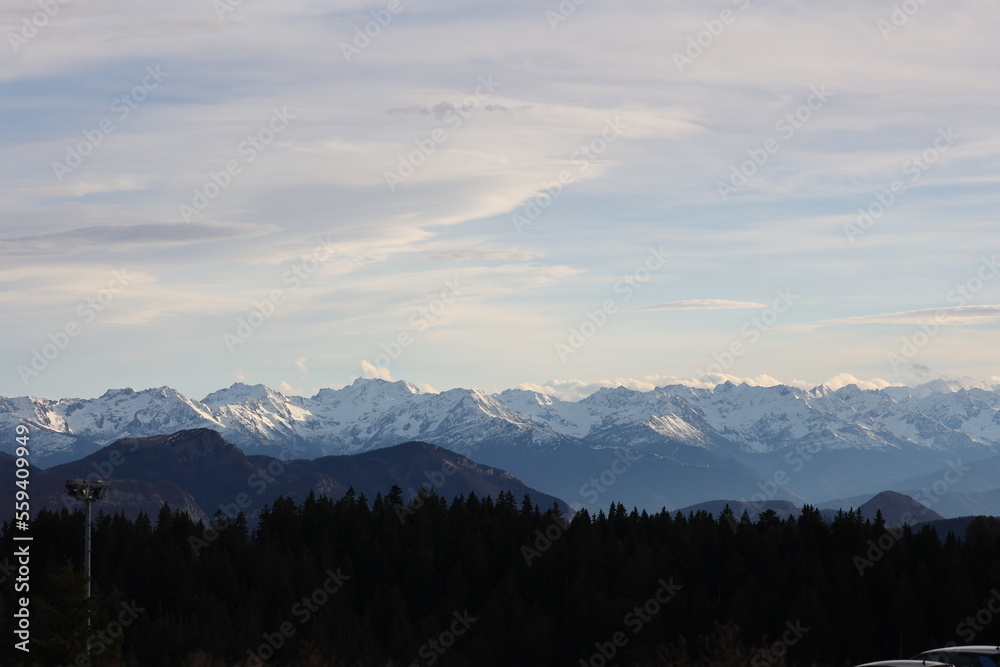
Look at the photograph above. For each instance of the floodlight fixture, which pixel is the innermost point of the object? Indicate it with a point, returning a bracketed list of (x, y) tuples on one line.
[(86, 490)]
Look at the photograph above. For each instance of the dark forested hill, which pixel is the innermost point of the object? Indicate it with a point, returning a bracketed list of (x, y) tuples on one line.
[(198, 471)]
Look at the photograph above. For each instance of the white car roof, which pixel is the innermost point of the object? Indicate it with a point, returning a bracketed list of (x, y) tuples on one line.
[(991, 649), (905, 663)]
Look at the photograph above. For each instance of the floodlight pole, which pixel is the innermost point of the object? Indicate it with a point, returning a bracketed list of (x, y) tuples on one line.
[(86, 549), (87, 491)]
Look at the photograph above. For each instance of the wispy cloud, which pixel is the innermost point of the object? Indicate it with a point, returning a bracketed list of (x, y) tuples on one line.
[(538, 145), (442, 109), (485, 254), (702, 304), (574, 390), (950, 315), (845, 379), (371, 371), (128, 237)]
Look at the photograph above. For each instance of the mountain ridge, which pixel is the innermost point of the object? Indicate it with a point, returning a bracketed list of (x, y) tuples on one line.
[(198, 471), (790, 443), (725, 416)]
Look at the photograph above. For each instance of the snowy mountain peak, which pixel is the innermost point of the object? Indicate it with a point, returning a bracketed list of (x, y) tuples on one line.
[(123, 391), (523, 397), (939, 386), (821, 439), (728, 421), (820, 391), (401, 387), (613, 396), (375, 388), (153, 394), (239, 392)]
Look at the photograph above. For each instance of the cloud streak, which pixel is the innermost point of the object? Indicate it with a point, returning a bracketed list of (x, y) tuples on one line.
[(128, 237), (950, 315), (538, 142), (702, 304)]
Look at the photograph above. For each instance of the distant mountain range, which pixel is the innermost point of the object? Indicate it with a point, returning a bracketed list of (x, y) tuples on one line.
[(670, 447), (896, 508), (199, 472)]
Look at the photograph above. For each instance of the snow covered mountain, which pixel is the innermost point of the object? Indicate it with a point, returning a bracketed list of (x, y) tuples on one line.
[(762, 442), (369, 414)]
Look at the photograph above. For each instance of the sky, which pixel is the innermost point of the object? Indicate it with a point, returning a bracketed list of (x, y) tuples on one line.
[(550, 195)]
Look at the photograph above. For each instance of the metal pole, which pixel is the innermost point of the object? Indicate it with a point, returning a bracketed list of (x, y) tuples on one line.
[(88, 492), (86, 561), (86, 552)]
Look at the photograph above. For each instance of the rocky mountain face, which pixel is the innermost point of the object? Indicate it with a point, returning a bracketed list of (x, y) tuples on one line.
[(675, 445)]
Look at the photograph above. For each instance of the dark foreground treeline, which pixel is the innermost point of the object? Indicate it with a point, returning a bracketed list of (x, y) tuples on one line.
[(482, 582)]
